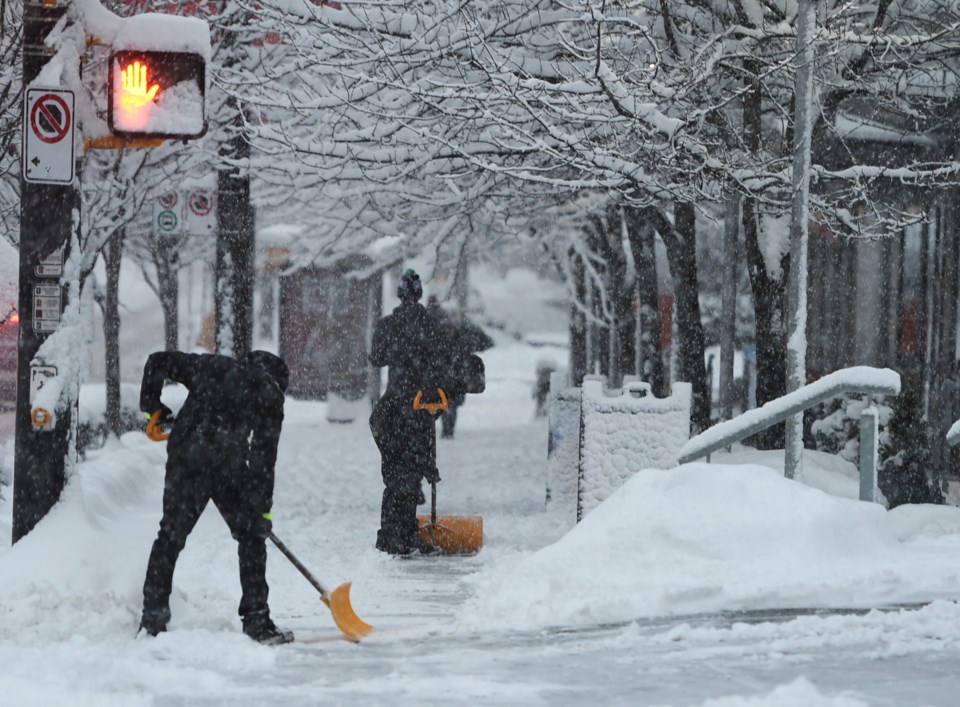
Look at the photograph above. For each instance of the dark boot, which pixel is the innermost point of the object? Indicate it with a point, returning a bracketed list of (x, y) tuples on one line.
[(262, 630), (154, 621), (391, 543), (421, 546)]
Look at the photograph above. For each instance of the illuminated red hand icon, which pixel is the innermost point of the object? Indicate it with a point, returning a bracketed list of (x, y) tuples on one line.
[(134, 82)]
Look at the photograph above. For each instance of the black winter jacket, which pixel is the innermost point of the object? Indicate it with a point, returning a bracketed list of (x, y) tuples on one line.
[(232, 405), (411, 343)]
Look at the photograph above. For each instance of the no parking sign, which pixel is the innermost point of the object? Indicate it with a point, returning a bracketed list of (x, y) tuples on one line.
[(48, 136), (191, 209), (201, 212)]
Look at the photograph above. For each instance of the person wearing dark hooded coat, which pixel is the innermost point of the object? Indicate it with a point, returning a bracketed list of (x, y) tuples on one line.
[(408, 340), (222, 448)]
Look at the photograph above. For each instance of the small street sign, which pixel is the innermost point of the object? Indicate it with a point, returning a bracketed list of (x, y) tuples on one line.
[(48, 136), (201, 212), (167, 222), (51, 265), (46, 308), (169, 200), (39, 375)]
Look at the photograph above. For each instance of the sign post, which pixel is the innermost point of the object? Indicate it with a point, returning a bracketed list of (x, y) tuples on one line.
[(47, 178)]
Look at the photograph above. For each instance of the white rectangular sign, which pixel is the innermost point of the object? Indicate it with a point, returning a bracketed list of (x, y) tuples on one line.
[(49, 125), (51, 265), (46, 307), (39, 375)]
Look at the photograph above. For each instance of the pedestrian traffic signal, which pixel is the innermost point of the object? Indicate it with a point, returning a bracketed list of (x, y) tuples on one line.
[(157, 94)]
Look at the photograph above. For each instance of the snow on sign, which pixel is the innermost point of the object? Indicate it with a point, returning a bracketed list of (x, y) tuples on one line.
[(48, 136)]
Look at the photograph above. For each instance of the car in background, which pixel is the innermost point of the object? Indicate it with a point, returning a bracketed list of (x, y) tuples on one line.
[(9, 332)]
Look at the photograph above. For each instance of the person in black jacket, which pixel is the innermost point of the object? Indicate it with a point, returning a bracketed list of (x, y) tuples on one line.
[(408, 340), (222, 447)]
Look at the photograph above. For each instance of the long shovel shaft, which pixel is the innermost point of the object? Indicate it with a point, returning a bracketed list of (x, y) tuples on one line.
[(299, 565)]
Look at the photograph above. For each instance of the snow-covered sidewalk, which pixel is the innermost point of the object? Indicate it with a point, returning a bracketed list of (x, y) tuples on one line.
[(706, 581)]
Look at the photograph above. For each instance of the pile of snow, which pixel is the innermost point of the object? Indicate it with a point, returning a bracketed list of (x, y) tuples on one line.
[(703, 538)]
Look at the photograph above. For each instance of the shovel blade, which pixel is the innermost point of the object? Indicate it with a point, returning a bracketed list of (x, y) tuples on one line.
[(346, 619), (454, 535)]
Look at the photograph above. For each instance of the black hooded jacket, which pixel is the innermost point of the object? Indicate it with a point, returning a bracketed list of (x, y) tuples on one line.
[(233, 406), (411, 343)]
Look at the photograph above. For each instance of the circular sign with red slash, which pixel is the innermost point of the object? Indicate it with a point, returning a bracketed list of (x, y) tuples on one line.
[(169, 200), (201, 202), (50, 118)]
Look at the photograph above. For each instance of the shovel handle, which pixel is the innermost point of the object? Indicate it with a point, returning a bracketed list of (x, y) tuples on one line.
[(299, 565), (154, 431), (433, 503)]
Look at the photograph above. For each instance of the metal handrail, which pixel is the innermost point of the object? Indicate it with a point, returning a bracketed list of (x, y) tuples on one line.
[(864, 380)]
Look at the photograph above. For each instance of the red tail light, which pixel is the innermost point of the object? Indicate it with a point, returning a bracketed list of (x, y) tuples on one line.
[(14, 318)]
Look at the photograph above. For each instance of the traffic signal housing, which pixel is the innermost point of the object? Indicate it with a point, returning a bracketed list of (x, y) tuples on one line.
[(157, 94)]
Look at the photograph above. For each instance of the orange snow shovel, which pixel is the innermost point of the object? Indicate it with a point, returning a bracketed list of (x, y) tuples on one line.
[(454, 535), (338, 601)]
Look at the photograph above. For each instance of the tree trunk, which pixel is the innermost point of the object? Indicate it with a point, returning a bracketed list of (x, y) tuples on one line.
[(578, 325), (769, 294), (640, 234), (769, 297), (621, 348), (167, 262), (682, 256), (112, 255), (728, 317)]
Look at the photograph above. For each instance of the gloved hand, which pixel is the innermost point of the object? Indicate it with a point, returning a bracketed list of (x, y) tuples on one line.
[(164, 418), (432, 475), (158, 428), (262, 525)]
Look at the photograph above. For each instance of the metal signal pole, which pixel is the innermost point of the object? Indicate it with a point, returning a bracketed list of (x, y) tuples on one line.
[(799, 225), (49, 200)]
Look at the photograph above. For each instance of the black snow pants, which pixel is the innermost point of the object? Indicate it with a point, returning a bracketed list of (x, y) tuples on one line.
[(407, 440), (205, 466)]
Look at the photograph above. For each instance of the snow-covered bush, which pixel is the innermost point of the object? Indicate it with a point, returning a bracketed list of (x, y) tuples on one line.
[(836, 429), (92, 429), (905, 457)]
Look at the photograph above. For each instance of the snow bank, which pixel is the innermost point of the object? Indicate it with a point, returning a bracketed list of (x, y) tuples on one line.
[(703, 537), (799, 693)]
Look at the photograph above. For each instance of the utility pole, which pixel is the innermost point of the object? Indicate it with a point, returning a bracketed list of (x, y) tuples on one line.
[(49, 205), (799, 231), (234, 270)]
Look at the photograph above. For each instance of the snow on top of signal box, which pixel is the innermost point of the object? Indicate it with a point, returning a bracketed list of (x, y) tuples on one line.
[(164, 33), (149, 31)]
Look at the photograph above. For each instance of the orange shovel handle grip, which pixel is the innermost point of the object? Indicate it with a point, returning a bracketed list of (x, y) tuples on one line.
[(154, 431), (432, 408)]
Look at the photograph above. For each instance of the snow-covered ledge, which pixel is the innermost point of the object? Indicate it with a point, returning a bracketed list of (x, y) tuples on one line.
[(953, 434), (859, 379)]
